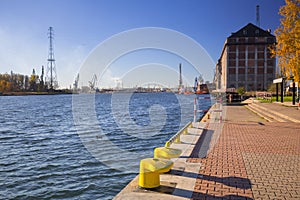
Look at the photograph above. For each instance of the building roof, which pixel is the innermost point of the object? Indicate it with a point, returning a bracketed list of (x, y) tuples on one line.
[(250, 30)]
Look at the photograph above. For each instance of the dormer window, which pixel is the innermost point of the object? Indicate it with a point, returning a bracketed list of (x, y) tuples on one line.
[(256, 32), (245, 32)]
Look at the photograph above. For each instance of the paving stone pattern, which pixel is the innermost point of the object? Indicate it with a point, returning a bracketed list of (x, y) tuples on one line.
[(251, 160)]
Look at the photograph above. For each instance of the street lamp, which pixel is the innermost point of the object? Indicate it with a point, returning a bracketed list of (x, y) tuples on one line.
[(282, 87), (294, 87)]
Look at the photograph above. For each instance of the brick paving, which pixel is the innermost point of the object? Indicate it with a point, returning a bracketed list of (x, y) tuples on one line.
[(250, 159)]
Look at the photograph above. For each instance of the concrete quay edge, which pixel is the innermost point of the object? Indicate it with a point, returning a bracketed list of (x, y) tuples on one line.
[(179, 183)]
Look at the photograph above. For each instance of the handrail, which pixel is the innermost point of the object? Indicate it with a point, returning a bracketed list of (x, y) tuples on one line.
[(176, 138)]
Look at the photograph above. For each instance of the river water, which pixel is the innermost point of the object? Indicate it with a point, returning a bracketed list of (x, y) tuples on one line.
[(45, 153)]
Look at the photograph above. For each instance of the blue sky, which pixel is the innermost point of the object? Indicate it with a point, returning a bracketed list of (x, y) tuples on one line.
[(80, 25)]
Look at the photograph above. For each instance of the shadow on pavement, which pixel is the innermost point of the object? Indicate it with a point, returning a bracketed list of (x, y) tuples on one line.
[(232, 181), (195, 195)]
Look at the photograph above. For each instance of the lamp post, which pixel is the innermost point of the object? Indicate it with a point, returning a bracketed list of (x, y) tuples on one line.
[(294, 91), (276, 92), (282, 88)]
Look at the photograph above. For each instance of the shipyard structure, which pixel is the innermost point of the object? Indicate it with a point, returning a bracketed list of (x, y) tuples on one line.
[(246, 60)]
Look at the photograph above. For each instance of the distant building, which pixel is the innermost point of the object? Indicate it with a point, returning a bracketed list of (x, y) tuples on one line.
[(246, 60)]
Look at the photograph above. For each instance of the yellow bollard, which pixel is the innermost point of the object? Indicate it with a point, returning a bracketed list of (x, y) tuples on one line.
[(177, 139), (150, 168), (167, 144), (166, 152)]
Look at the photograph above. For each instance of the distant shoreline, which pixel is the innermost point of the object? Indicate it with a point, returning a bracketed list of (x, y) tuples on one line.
[(33, 93), (62, 92)]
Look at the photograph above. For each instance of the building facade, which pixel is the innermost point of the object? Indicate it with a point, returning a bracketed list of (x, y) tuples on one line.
[(246, 60)]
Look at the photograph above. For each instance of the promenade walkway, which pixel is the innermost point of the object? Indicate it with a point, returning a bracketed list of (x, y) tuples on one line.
[(253, 158), (245, 157)]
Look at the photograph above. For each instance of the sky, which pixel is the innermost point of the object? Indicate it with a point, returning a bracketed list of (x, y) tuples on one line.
[(81, 26)]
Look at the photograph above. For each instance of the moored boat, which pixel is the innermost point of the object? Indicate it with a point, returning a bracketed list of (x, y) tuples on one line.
[(200, 87)]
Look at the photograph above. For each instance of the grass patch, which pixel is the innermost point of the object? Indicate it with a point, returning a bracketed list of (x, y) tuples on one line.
[(285, 99)]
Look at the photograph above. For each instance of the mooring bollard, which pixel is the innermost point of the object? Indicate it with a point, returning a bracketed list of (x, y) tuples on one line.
[(177, 139), (166, 152), (150, 168)]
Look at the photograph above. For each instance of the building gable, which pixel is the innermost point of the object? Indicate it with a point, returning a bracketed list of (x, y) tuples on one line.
[(250, 30)]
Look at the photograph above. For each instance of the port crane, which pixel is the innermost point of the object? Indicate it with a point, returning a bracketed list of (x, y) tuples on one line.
[(92, 83), (76, 82)]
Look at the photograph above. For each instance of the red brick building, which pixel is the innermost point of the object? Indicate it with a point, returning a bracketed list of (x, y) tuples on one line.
[(246, 60)]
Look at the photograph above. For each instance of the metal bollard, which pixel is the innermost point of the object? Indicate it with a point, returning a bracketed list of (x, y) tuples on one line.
[(166, 152), (177, 139), (150, 168)]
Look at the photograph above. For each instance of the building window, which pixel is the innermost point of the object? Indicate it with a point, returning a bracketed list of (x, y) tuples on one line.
[(251, 62), (245, 32), (251, 55), (241, 71), (241, 55), (241, 63), (270, 70), (260, 55), (232, 55), (241, 40), (260, 39), (251, 48), (232, 63), (260, 71), (231, 70), (232, 48), (231, 40), (260, 63), (251, 40), (242, 48), (260, 48), (256, 32)]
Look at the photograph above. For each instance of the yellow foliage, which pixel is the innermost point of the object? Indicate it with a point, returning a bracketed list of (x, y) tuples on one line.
[(288, 39), (4, 86)]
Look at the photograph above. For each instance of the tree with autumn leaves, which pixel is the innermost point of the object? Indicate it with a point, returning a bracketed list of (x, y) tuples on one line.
[(22, 83), (288, 40)]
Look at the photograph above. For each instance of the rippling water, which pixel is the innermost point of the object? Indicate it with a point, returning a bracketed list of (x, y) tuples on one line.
[(42, 156)]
